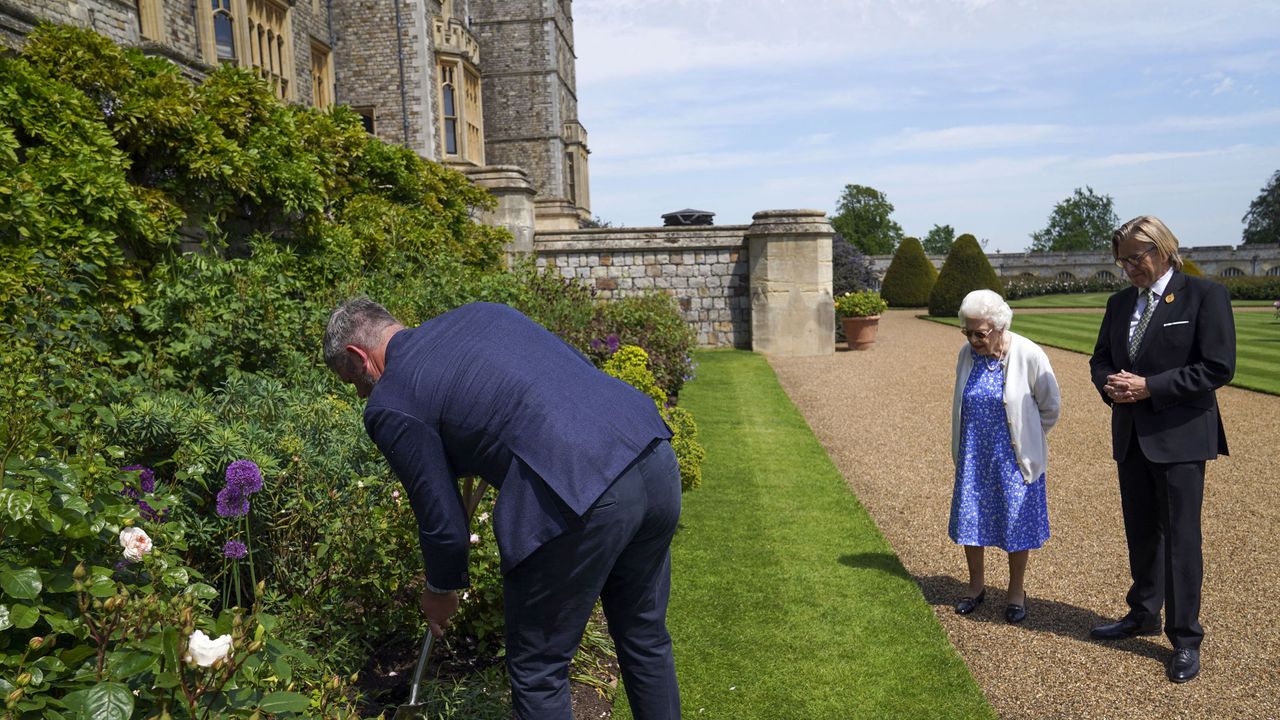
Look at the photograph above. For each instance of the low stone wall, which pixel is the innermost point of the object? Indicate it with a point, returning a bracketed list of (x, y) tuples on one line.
[(1243, 260), (705, 268)]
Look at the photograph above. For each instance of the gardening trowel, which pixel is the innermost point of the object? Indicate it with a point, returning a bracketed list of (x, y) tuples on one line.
[(412, 710)]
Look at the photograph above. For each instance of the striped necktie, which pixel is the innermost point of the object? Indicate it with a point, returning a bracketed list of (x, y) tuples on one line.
[(1136, 339)]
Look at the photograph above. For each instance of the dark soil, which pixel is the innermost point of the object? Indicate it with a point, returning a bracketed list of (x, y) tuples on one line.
[(385, 681)]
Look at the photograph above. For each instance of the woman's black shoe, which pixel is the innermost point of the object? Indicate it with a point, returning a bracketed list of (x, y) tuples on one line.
[(969, 604), (1016, 613)]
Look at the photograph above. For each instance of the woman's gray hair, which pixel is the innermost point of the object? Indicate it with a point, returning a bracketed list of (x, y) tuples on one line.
[(359, 322), (986, 305)]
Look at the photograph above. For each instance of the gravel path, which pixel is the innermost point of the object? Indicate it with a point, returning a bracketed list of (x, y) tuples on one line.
[(884, 417)]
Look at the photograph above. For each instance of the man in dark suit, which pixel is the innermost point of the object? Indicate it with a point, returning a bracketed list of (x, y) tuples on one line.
[(1165, 345), (588, 486)]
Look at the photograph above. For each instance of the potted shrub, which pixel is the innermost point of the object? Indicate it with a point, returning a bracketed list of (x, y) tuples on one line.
[(860, 315)]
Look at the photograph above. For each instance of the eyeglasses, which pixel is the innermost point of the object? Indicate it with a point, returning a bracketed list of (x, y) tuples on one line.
[(1133, 260), (980, 334)]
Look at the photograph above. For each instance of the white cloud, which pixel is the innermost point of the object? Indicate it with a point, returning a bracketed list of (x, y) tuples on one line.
[(976, 137)]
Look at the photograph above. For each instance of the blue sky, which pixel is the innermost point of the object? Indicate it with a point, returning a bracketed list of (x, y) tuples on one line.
[(981, 114)]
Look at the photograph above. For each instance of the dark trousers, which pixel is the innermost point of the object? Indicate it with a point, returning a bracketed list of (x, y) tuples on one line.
[(1161, 503), (621, 554)]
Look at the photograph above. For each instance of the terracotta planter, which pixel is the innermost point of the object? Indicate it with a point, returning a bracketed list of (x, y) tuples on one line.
[(860, 331)]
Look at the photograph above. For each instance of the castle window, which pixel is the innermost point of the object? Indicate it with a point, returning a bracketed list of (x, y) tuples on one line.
[(1274, 271), (1064, 275), (270, 47), (1105, 275), (224, 32), (571, 178), (1232, 272), (367, 117), (250, 33), (449, 108), (321, 76), (473, 149), (150, 19)]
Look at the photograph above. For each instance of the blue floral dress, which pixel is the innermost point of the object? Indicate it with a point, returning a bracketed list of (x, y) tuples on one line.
[(991, 505)]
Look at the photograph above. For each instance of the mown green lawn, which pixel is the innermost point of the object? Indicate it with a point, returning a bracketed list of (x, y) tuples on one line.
[(1098, 300), (787, 602), (1257, 341)]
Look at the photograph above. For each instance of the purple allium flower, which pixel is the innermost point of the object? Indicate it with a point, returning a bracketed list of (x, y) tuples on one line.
[(597, 345), (612, 342), (244, 476), (232, 503), (234, 549), (146, 478)]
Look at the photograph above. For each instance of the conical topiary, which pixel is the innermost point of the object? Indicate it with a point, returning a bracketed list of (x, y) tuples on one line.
[(1190, 267), (966, 269), (910, 277)]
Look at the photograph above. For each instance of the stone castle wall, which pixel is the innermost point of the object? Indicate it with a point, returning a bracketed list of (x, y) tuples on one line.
[(116, 19), (705, 268)]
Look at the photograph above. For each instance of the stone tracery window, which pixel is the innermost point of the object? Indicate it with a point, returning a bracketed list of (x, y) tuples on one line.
[(251, 33)]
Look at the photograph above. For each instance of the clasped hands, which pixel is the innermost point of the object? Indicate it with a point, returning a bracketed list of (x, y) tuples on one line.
[(1125, 387)]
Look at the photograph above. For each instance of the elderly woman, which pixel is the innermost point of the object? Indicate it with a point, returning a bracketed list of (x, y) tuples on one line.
[(1006, 399)]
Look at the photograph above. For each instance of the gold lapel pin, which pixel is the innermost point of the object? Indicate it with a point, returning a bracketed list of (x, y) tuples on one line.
[(1168, 298)]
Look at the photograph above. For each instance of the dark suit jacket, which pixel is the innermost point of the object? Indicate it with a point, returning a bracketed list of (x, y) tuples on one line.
[(1187, 352), (484, 390)]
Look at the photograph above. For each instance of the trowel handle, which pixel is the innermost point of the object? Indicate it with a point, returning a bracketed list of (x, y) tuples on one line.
[(422, 665)]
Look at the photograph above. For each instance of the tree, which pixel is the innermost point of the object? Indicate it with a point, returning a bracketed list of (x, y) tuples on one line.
[(1262, 222), (966, 269), (939, 240), (1084, 221), (910, 277), (862, 217)]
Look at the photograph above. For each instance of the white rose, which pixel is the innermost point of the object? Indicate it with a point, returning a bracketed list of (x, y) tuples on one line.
[(474, 538), (135, 543), (206, 652)]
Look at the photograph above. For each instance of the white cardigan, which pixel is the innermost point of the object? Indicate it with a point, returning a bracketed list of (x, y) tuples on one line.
[(1031, 403)]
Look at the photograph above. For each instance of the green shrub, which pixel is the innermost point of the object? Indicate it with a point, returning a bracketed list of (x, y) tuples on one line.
[(863, 304), (910, 277), (1022, 286), (850, 269), (965, 270), (653, 322), (94, 626), (1266, 287), (631, 365)]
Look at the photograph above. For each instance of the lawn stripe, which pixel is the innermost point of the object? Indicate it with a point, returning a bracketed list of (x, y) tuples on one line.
[(1257, 341), (787, 602)]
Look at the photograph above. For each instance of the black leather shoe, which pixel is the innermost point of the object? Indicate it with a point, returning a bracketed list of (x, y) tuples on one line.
[(1016, 613), (1126, 627), (969, 604), (1184, 666)]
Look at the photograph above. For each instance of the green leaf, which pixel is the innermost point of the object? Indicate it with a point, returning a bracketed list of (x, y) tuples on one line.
[(16, 503), (128, 663), (104, 701), (176, 576), (202, 591), (102, 588), (23, 584), (23, 616), (170, 648), (278, 702), (5, 622), (166, 680)]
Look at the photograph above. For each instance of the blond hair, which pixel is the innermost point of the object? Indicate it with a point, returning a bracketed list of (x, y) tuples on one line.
[(1150, 230)]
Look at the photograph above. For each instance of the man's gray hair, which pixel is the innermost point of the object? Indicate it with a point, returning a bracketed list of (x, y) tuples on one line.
[(359, 321), (986, 305)]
